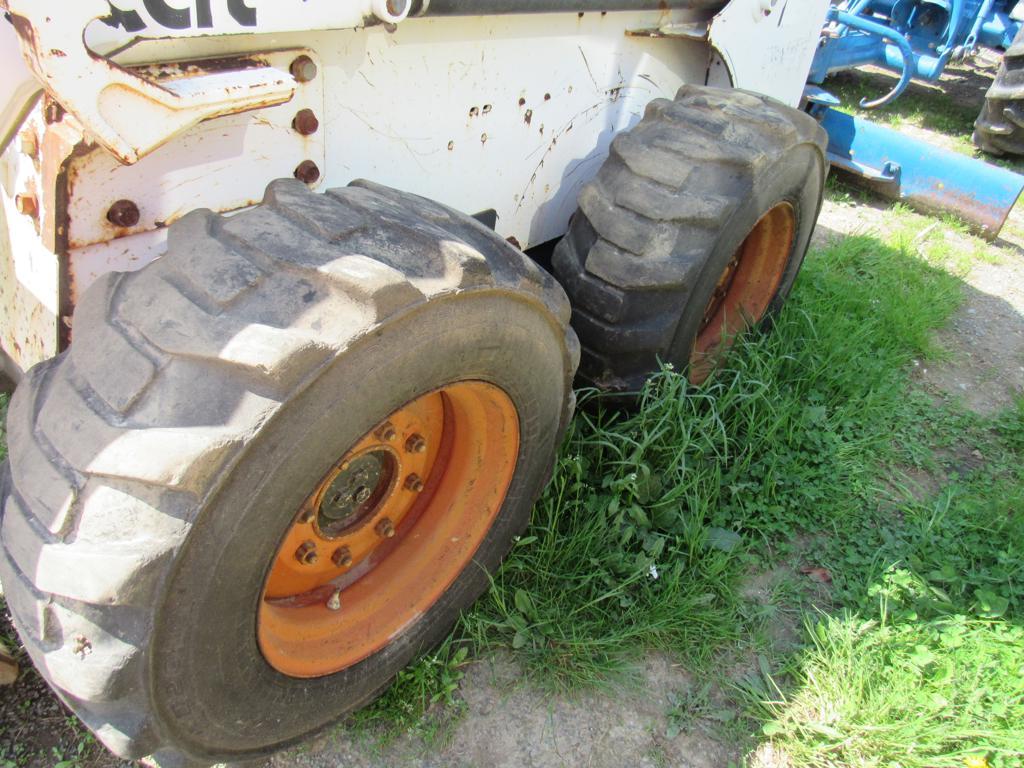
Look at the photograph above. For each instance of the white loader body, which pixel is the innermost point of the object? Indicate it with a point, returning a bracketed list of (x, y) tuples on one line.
[(187, 105)]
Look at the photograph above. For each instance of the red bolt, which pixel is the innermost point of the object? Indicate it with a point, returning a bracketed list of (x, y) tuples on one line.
[(305, 122), (303, 69), (53, 112), (123, 213), (413, 483), (307, 172), (416, 444), (26, 205)]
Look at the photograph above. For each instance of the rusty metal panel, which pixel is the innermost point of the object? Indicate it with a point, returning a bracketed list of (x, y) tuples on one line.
[(451, 109), (19, 89), (122, 110), (29, 271), (220, 164)]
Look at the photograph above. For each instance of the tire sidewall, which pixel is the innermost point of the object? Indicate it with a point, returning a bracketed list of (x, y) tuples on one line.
[(210, 684), (798, 178)]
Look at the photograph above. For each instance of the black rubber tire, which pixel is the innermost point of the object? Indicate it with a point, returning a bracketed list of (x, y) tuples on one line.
[(664, 216), (999, 129), (154, 466)]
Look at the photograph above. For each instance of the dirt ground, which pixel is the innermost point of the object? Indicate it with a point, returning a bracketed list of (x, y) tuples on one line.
[(507, 723)]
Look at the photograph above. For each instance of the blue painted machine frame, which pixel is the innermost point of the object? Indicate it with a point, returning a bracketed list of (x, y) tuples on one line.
[(913, 38)]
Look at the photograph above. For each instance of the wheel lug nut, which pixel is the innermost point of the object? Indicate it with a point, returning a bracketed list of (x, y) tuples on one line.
[(386, 431), (334, 601), (416, 444), (385, 528), (413, 483), (306, 553), (342, 557)]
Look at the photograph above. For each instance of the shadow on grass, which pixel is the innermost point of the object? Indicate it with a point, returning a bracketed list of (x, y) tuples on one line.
[(922, 104), (912, 654)]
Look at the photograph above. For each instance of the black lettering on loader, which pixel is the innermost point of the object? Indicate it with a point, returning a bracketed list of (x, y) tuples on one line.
[(242, 13), (166, 16)]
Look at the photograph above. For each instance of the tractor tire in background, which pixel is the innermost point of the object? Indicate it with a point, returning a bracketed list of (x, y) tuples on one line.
[(694, 229), (276, 464), (999, 127)]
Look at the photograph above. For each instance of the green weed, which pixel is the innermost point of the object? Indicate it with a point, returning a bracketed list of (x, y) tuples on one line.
[(653, 516), (790, 457), (690, 707), (945, 692), (920, 106), (422, 699)]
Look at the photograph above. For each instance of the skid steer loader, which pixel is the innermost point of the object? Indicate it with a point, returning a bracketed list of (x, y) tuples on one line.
[(289, 380)]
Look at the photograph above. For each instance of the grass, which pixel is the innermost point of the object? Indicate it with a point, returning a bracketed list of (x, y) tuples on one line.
[(920, 106), (794, 456), (947, 692), (793, 460)]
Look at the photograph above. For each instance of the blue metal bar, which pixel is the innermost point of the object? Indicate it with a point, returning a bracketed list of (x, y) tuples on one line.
[(956, 13), (998, 31), (856, 9), (923, 65), (924, 176), (874, 28), (983, 14)]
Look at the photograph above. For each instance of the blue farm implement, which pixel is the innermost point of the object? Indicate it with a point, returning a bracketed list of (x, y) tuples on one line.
[(923, 176), (916, 39)]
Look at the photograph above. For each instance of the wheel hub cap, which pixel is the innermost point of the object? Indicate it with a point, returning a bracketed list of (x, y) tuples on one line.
[(745, 288), (387, 529)]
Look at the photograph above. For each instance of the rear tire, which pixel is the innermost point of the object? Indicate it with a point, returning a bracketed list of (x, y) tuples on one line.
[(665, 223), (157, 466), (999, 129)]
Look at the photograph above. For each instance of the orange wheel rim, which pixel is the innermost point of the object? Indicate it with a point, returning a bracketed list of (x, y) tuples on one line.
[(745, 288), (388, 529)]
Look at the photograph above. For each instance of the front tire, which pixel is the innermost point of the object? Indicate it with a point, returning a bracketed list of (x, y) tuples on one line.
[(159, 468)]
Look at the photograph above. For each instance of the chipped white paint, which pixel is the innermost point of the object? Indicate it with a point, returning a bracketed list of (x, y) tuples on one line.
[(219, 164), (768, 45), (511, 113), (126, 113)]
